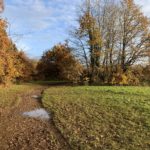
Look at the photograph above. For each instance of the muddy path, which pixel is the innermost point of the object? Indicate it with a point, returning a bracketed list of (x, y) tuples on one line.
[(18, 132)]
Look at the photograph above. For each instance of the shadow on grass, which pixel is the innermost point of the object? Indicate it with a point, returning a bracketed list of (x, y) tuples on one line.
[(52, 83)]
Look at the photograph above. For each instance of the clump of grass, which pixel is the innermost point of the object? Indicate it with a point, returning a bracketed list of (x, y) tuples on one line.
[(101, 117)]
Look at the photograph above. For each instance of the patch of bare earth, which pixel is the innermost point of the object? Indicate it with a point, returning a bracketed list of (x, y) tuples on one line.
[(18, 132)]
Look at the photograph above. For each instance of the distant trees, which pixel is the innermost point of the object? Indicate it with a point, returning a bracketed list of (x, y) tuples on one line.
[(59, 63), (14, 64), (25, 67), (111, 40), (112, 36)]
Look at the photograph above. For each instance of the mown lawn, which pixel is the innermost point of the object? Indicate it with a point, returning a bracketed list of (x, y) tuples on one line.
[(102, 118), (10, 97)]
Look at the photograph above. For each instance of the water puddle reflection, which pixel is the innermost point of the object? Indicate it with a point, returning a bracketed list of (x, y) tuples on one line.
[(38, 113)]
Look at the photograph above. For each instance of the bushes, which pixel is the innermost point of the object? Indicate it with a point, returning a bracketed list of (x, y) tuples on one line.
[(127, 78), (59, 63), (145, 78)]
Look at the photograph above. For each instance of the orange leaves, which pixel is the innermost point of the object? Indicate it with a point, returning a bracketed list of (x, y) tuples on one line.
[(5, 42), (13, 64), (87, 21), (59, 63), (89, 27), (69, 68), (7, 70)]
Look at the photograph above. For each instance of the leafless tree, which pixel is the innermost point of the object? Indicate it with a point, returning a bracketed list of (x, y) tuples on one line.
[(117, 30)]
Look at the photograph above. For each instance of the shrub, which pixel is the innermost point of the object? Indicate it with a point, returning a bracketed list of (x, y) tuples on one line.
[(59, 63)]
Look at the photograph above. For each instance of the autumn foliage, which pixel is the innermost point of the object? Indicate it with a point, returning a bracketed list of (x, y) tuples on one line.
[(14, 64), (112, 37), (59, 63), (109, 46)]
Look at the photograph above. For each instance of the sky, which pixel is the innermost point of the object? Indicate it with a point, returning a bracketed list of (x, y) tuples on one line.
[(37, 25)]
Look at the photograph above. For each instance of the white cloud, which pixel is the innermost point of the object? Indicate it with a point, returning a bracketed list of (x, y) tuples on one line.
[(47, 21), (28, 15), (145, 6)]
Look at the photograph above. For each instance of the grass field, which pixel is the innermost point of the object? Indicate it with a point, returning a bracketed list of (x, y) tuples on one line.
[(107, 118), (10, 97)]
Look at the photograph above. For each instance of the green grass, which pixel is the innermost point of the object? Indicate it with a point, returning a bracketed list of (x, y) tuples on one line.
[(102, 118), (10, 97)]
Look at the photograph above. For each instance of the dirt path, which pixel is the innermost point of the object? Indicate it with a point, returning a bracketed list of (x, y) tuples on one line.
[(22, 133)]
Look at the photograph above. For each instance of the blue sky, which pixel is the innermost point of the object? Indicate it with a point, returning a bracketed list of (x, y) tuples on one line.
[(36, 25)]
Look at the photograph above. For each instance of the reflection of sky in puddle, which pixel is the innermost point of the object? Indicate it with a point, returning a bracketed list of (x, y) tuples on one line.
[(35, 96), (37, 113)]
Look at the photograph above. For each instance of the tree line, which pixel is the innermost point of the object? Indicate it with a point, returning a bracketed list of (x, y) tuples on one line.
[(15, 66), (112, 38), (107, 46), (110, 42)]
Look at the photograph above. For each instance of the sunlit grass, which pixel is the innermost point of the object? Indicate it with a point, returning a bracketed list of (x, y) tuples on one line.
[(102, 117), (10, 97)]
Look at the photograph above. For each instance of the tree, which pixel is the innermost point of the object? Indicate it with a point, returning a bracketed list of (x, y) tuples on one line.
[(115, 30), (13, 63), (89, 38), (88, 28), (59, 63), (24, 66), (134, 34), (7, 71)]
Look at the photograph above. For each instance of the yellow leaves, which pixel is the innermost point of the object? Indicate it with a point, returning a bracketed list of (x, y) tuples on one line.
[(128, 78), (5, 42), (7, 70), (13, 64), (120, 79), (87, 21)]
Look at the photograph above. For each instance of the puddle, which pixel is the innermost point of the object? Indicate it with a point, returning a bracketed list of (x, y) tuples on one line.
[(36, 96), (38, 113)]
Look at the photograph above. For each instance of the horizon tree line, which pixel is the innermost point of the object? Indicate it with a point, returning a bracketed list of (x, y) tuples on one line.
[(111, 38)]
